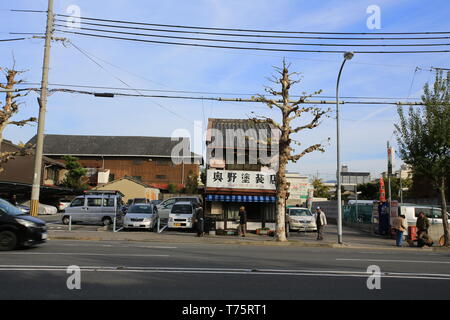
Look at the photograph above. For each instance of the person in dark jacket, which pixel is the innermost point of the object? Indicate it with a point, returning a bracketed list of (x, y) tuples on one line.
[(199, 220), (423, 224), (242, 221)]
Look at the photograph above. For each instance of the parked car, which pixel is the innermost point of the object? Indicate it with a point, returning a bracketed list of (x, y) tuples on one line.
[(139, 200), (165, 207), (182, 215), (95, 207), (18, 229), (301, 219), (141, 216), (43, 209), (63, 204), (24, 209), (155, 202)]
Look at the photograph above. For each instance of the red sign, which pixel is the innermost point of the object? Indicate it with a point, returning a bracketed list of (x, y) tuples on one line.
[(382, 191)]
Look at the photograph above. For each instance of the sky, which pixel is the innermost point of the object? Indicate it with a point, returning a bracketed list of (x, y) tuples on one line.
[(365, 129)]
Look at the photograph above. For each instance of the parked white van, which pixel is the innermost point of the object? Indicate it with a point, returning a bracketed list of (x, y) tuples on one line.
[(182, 215), (411, 212), (165, 207)]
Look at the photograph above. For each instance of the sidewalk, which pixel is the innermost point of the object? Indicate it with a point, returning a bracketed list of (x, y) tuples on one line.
[(353, 239)]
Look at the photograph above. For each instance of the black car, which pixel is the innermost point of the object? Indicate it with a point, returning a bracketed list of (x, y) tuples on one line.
[(18, 229)]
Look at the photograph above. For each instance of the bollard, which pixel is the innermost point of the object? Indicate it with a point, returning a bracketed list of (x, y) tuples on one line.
[(70, 223), (114, 224), (159, 223)]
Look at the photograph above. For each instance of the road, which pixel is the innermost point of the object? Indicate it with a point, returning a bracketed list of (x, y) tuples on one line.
[(132, 270)]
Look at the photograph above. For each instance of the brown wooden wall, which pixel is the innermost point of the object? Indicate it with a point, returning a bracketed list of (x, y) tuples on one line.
[(156, 171)]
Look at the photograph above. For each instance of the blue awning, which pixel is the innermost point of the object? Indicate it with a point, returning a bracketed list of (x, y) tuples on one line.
[(232, 198)]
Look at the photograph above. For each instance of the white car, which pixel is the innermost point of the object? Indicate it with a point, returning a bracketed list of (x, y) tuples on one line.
[(301, 219), (181, 215), (43, 209), (141, 216)]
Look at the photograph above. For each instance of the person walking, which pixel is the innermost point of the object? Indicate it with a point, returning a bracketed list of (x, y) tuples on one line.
[(321, 222), (400, 226), (199, 220), (422, 225), (242, 221)]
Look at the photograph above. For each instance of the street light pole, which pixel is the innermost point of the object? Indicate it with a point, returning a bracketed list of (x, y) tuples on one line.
[(347, 56), (42, 109)]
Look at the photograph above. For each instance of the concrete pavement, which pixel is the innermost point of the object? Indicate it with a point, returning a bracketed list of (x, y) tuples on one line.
[(141, 270)]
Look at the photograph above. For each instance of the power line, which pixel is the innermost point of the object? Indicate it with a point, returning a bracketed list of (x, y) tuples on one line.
[(255, 35), (14, 39), (113, 94), (244, 48), (256, 30), (263, 42), (202, 92)]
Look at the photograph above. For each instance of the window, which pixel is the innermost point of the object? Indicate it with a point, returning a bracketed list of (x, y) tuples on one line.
[(77, 202), (108, 202), (141, 208), (182, 209), (138, 178), (427, 211), (94, 202), (168, 203), (161, 176)]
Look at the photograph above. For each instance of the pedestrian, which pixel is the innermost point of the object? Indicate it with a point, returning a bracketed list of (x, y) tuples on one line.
[(242, 221), (321, 222), (400, 226), (422, 225), (13, 200), (199, 220)]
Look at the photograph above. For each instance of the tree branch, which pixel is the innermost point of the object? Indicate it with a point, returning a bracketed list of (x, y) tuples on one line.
[(315, 147)]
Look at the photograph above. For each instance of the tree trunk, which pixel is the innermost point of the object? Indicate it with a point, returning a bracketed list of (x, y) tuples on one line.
[(444, 212), (280, 232)]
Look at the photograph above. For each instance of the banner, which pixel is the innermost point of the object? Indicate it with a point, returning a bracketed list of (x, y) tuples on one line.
[(382, 191)]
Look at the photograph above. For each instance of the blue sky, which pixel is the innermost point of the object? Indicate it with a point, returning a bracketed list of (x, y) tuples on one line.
[(365, 129)]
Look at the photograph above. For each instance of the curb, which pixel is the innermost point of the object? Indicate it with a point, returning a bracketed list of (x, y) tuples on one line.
[(210, 241), (216, 241)]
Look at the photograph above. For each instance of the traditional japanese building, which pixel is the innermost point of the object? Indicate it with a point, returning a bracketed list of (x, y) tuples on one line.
[(241, 163)]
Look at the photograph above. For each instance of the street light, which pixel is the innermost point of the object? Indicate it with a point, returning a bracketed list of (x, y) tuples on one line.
[(347, 56)]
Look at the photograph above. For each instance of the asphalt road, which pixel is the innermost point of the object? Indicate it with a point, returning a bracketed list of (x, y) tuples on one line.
[(125, 270)]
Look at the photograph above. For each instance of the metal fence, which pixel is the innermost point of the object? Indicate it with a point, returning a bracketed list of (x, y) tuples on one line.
[(360, 214)]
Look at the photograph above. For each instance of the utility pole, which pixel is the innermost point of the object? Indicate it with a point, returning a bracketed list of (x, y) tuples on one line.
[(390, 164), (42, 110)]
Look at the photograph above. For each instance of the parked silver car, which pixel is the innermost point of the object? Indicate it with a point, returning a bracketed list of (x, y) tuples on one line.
[(95, 207), (141, 216)]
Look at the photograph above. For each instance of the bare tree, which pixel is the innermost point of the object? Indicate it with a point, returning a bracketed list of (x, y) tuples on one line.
[(290, 110), (8, 109)]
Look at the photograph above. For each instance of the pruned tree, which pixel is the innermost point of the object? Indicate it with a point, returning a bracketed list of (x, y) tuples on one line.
[(75, 173), (290, 111), (8, 109), (423, 137), (191, 182)]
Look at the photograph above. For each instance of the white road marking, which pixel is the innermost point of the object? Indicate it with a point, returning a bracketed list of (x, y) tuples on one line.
[(115, 246), (395, 261), (85, 254), (270, 272)]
